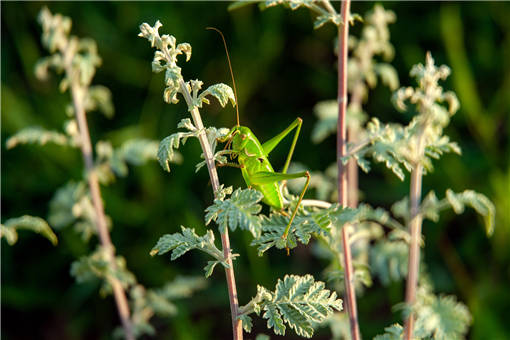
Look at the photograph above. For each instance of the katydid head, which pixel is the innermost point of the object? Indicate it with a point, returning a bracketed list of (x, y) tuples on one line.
[(236, 138)]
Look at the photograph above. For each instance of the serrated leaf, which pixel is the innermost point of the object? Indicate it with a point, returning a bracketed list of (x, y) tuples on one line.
[(166, 151), (209, 268), (247, 322), (98, 266), (442, 318), (431, 206), (36, 224), (298, 301), (389, 261), (180, 243), (222, 92), (393, 332), (240, 210), (36, 135)]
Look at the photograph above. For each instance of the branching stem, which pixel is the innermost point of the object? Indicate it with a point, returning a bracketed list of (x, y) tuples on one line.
[(77, 93), (350, 294), (225, 241)]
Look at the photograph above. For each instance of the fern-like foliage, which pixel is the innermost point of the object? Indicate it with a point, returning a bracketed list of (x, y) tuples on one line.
[(431, 206), (393, 332), (98, 266), (71, 205), (297, 301), (113, 162), (389, 260), (238, 211), (9, 229), (303, 228), (37, 135), (439, 317), (145, 303), (422, 140), (186, 240), (323, 9), (165, 59)]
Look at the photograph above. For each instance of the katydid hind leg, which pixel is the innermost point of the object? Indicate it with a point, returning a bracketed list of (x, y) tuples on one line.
[(286, 232), (273, 142)]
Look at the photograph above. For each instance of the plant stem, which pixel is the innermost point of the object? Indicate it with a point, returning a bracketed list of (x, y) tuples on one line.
[(414, 247), (237, 327), (77, 93), (350, 294)]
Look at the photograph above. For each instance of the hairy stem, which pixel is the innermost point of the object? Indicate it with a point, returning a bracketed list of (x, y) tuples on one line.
[(237, 327), (350, 294), (77, 93), (414, 247)]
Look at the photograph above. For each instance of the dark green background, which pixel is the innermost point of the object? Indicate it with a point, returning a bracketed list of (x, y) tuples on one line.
[(282, 67)]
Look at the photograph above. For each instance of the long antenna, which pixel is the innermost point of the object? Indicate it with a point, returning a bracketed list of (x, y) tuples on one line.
[(231, 72)]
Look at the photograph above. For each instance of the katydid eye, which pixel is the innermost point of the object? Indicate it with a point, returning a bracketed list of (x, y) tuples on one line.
[(243, 136)]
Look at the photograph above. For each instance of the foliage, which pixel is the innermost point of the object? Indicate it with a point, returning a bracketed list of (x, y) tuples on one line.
[(145, 303), (388, 260), (422, 139), (98, 265), (38, 135), (181, 243), (71, 205), (9, 229), (298, 301), (240, 210)]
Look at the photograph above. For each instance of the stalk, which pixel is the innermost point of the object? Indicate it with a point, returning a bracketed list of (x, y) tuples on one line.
[(237, 327), (350, 294), (77, 93), (414, 247)]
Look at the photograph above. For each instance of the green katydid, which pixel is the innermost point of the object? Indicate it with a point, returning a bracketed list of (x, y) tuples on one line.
[(252, 159)]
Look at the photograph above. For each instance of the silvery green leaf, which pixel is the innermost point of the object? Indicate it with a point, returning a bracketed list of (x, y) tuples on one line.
[(240, 210), (166, 151), (388, 75), (99, 98), (247, 322), (221, 91), (210, 267), (98, 266), (186, 240), (335, 19), (36, 224), (298, 301), (186, 124), (431, 206), (393, 332), (442, 318), (36, 135), (388, 261)]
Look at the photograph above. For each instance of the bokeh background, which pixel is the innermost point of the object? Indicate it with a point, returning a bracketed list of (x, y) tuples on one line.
[(282, 68)]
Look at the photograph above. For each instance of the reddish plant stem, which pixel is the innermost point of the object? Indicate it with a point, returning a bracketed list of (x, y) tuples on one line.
[(350, 294), (77, 94), (414, 247), (237, 327)]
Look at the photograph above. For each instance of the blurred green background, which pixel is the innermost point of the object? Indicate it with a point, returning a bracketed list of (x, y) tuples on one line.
[(282, 68)]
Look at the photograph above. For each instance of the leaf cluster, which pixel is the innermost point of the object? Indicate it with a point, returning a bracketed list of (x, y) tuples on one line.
[(298, 301)]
